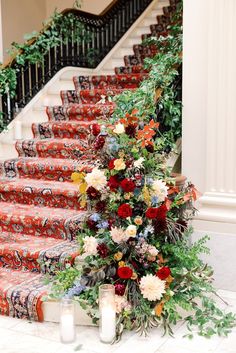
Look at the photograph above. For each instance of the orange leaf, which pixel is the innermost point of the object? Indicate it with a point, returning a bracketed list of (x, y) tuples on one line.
[(159, 308)]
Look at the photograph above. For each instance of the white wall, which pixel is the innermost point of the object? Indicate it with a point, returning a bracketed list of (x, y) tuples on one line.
[(93, 6), (19, 18)]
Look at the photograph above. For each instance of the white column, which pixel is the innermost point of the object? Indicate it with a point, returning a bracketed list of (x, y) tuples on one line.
[(209, 99)]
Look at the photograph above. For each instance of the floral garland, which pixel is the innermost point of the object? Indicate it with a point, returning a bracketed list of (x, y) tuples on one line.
[(135, 235)]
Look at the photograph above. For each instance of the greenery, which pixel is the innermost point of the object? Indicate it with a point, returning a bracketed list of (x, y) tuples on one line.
[(136, 232)]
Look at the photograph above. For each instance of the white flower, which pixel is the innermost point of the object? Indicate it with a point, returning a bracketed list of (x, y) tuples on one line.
[(139, 162), (118, 235), (152, 287), (152, 250), (96, 179), (119, 129), (131, 231), (121, 303), (90, 245), (159, 189)]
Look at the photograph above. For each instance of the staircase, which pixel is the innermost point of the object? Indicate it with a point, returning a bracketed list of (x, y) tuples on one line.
[(39, 210)]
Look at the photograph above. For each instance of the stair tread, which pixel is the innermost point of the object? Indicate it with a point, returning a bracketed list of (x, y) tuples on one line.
[(21, 294), (20, 210), (36, 185)]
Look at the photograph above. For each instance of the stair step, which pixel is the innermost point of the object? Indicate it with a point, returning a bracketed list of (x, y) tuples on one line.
[(58, 223), (136, 59), (130, 68), (69, 129), (43, 168), (83, 112), (109, 81), (21, 294), (89, 96), (35, 254), (54, 148), (40, 193)]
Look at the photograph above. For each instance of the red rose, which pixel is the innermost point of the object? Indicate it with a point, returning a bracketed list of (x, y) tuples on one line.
[(125, 272), (161, 212), (113, 183), (127, 185), (163, 273), (96, 129), (111, 164), (151, 212), (124, 210)]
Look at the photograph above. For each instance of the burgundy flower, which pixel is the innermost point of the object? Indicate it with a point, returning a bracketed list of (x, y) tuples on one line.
[(119, 289), (130, 130), (125, 211), (150, 148), (99, 143), (92, 193), (128, 185), (91, 224), (125, 272), (151, 212), (113, 183), (100, 206), (102, 250), (159, 225), (111, 222), (96, 129), (163, 273)]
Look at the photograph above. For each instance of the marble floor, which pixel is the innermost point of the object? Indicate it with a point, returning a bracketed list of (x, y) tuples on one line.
[(17, 336)]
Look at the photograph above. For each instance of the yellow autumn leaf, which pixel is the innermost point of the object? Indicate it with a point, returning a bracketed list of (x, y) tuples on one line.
[(77, 177), (146, 196), (83, 188)]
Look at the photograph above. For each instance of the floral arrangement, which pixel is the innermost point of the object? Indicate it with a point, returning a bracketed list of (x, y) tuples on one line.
[(136, 232), (135, 235)]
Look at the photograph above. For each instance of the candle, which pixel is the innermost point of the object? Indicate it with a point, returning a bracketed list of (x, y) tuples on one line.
[(17, 130), (107, 324), (67, 322)]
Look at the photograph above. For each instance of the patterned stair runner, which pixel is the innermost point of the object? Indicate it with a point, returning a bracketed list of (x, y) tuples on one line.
[(39, 210)]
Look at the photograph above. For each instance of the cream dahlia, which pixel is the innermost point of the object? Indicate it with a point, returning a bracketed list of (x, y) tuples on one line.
[(151, 287), (96, 179), (90, 246), (159, 189)]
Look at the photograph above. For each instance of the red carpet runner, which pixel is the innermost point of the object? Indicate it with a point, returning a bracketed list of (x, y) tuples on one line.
[(39, 212)]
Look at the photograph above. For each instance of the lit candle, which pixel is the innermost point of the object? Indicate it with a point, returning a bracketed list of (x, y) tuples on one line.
[(17, 130), (107, 324), (67, 322)]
